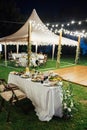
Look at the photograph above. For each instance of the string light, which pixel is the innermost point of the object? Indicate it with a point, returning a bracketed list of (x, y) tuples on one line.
[(79, 22), (72, 22), (71, 28), (66, 27)]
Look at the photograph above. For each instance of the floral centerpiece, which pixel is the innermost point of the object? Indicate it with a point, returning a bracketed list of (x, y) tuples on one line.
[(68, 102)]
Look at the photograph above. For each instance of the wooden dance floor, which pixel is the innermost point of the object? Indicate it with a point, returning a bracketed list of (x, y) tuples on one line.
[(76, 74)]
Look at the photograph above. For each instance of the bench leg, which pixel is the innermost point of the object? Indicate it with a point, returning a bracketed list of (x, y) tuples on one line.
[(2, 104), (9, 113)]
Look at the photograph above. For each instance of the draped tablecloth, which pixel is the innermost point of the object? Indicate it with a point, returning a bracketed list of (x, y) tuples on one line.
[(18, 55), (46, 100)]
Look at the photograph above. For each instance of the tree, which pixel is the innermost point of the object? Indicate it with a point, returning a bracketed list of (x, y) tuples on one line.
[(9, 16)]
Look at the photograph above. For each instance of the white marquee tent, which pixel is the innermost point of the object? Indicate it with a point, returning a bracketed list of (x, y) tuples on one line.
[(40, 35)]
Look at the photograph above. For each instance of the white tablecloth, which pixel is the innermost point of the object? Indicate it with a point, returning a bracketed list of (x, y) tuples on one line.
[(46, 100), (19, 55)]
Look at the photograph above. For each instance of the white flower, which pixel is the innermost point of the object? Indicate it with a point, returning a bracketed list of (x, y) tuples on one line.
[(68, 95), (65, 97), (60, 83), (69, 109), (65, 105), (67, 91), (71, 105)]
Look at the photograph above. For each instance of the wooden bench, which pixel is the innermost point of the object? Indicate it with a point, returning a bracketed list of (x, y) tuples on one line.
[(11, 94)]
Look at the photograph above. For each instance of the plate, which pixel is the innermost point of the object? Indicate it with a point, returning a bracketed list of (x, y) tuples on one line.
[(13, 72), (36, 80), (24, 76)]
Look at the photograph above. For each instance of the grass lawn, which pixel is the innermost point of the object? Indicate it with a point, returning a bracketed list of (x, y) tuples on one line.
[(28, 120)]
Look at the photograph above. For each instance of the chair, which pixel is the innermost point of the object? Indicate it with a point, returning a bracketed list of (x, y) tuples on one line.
[(11, 94), (45, 59)]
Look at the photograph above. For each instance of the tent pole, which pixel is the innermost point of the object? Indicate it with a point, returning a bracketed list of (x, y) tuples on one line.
[(77, 51), (59, 51), (29, 43), (5, 48), (36, 48), (53, 52), (17, 46)]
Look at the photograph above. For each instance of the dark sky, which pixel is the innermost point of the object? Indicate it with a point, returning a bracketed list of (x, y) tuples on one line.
[(49, 11), (54, 10)]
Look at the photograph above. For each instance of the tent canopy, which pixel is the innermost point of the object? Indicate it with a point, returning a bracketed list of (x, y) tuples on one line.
[(40, 34)]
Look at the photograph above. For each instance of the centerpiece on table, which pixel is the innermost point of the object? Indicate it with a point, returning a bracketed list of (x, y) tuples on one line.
[(55, 79), (37, 76), (27, 72)]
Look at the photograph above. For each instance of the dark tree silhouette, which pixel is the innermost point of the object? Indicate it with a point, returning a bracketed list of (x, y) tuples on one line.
[(10, 17)]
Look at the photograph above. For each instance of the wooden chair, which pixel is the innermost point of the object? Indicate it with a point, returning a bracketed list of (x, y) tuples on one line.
[(11, 94)]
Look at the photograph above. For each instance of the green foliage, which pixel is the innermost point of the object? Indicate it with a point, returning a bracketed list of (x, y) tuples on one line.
[(68, 101)]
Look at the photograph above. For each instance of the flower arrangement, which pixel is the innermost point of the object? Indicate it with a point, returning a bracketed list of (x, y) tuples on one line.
[(68, 101)]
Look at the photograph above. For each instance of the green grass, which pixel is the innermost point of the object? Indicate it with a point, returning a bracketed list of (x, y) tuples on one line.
[(29, 120)]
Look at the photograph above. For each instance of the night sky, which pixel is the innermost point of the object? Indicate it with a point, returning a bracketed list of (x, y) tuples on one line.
[(55, 10), (14, 13), (13, 17)]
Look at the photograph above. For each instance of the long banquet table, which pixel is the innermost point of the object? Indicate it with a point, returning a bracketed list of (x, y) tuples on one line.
[(46, 100)]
